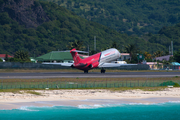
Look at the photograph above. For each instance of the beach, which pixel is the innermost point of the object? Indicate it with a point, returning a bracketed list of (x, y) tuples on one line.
[(77, 97)]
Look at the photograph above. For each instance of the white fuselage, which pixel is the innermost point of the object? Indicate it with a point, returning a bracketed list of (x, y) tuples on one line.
[(109, 55)]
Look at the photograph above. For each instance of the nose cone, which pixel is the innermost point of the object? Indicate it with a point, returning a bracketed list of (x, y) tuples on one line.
[(118, 53)]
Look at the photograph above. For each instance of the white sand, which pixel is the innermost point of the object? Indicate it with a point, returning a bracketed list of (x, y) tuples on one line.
[(14, 100)]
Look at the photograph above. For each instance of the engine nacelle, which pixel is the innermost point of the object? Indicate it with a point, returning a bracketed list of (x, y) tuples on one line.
[(90, 66), (93, 65)]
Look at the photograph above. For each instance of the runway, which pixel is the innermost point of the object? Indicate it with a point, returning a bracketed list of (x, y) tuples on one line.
[(87, 75)]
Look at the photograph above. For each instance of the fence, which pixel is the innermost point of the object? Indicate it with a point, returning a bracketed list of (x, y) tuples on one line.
[(165, 67), (12, 65), (15, 65), (25, 84)]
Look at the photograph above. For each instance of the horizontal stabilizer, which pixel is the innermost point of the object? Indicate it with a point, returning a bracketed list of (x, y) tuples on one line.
[(79, 51), (61, 64), (109, 65)]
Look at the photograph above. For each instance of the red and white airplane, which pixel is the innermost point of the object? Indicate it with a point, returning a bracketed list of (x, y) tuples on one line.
[(100, 60)]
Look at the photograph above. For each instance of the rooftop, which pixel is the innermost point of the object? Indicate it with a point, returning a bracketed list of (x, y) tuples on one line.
[(124, 53), (55, 55), (4, 55)]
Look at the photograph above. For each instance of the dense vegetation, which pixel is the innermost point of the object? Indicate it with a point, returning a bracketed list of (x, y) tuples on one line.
[(58, 28), (129, 16), (63, 27), (165, 36)]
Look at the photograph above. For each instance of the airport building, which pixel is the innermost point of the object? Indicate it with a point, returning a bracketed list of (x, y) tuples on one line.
[(124, 56), (56, 56), (167, 57)]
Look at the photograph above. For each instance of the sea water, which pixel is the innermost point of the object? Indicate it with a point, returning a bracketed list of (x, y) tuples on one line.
[(130, 111)]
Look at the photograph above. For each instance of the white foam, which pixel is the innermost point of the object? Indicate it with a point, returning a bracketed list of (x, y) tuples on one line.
[(95, 106), (33, 108), (89, 106), (141, 103), (26, 108), (174, 101)]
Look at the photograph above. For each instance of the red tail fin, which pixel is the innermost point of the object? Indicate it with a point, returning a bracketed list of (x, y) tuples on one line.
[(75, 56)]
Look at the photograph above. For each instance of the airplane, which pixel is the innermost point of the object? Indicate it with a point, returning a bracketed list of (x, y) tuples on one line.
[(100, 60)]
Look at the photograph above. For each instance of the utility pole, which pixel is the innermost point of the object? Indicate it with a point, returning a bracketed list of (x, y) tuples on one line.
[(171, 47), (34, 53), (94, 43), (88, 50)]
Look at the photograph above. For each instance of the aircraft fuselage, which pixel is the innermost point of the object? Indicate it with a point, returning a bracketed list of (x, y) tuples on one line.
[(95, 60)]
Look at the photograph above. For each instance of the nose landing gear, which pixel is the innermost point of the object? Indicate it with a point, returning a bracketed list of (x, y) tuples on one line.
[(85, 71)]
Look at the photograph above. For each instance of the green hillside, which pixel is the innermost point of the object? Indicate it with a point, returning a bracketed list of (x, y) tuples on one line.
[(165, 36), (128, 16), (40, 27)]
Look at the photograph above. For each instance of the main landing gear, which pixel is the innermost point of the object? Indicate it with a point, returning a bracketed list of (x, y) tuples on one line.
[(103, 70)]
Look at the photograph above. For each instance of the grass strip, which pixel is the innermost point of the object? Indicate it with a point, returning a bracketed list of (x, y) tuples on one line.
[(88, 79), (138, 88), (122, 89), (33, 92), (87, 83)]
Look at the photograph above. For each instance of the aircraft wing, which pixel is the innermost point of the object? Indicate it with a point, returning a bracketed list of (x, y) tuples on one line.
[(107, 65), (62, 64)]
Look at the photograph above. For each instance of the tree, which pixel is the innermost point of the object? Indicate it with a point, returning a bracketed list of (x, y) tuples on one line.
[(6, 57), (114, 45), (76, 44), (131, 49), (147, 55), (165, 62), (177, 56), (171, 59), (92, 52), (1, 2), (22, 56), (158, 53), (105, 48)]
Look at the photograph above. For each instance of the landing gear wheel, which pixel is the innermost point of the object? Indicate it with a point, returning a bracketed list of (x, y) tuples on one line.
[(85, 71), (103, 71)]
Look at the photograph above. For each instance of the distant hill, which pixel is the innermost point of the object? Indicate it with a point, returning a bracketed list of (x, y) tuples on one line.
[(26, 12), (41, 27), (128, 16)]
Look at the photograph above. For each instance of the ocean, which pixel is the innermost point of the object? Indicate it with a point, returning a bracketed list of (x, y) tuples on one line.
[(130, 111)]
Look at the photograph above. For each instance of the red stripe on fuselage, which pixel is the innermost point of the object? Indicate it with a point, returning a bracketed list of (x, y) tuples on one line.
[(112, 52)]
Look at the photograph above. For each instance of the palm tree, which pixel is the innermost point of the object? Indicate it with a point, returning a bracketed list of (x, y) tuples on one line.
[(114, 45), (76, 44), (92, 52), (22, 55), (6, 57), (105, 48), (147, 55), (131, 49), (158, 53)]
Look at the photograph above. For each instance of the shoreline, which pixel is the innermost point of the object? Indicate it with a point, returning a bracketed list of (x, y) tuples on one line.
[(90, 97)]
